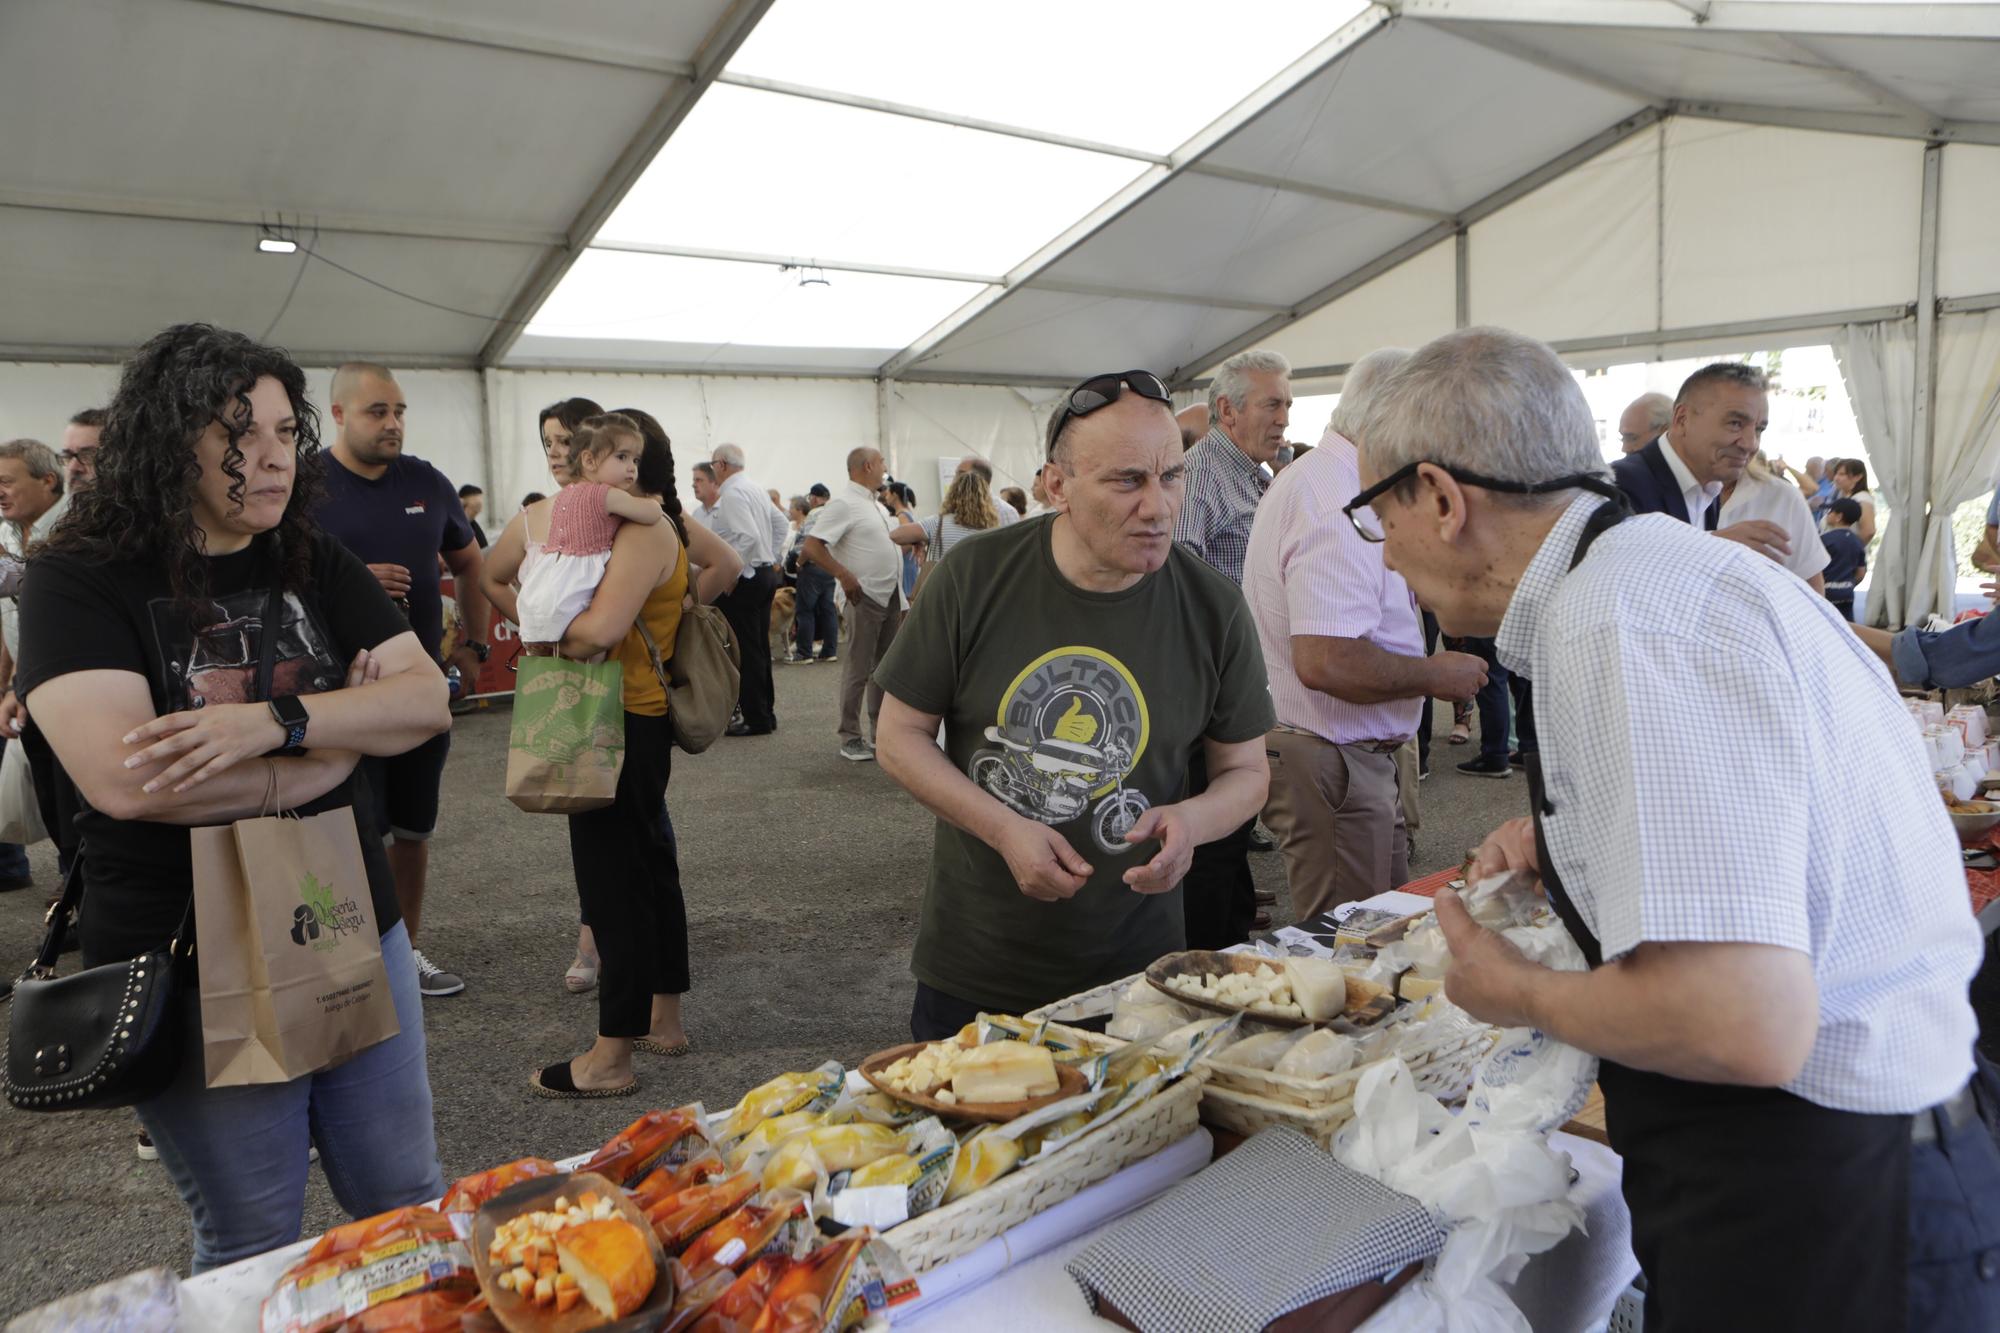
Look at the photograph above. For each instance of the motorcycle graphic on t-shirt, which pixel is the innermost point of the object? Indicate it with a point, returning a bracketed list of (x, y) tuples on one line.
[(1072, 727)]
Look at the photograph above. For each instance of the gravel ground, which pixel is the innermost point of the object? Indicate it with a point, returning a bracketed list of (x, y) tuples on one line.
[(802, 874)]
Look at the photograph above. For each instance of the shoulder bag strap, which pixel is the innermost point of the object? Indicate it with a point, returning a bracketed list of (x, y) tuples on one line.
[(652, 649)]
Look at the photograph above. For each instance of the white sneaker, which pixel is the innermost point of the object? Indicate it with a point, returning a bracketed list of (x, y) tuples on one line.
[(147, 1152), (857, 750), (433, 980)]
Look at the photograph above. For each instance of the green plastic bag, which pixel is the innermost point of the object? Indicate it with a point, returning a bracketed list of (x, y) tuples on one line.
[(567, 742)]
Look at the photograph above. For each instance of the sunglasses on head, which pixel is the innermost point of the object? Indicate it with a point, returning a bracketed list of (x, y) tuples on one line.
[(1101, 391)]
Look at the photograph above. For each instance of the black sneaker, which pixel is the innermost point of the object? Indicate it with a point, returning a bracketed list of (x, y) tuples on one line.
[(1514, 758), (1485, 767)]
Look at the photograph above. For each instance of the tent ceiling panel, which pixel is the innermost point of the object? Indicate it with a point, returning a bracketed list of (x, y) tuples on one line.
[(1408, 306), (1050, 335), (843, 183), (1763, 222), (1955, 79), (534, 351), (1601, 279), (94, 281), (1418, 115), (1210, 237), (1691, 65), (628, 297), (637, 28), (248, 108), (1045, 67), (1968, 206)]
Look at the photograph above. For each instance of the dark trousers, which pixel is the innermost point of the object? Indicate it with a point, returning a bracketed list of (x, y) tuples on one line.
[(1424, 720), (814, 614), (628, 875), (1524, 711), (1218, 897), (747, 608), (1494, 701)]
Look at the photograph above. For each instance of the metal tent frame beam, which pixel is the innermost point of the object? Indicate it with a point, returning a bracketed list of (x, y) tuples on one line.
[(1276, 89), (177, 210), (1424, 240), (1821, 18), (461, 33), (729, 33), (934, 275)]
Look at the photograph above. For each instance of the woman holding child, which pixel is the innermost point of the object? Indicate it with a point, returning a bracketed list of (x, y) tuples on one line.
[(594, 568)]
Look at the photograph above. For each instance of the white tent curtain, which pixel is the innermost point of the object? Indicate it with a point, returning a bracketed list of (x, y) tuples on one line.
[(1879, 364), (1967, 416)]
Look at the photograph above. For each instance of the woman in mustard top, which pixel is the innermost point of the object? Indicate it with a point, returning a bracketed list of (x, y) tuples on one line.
[(627, 870)]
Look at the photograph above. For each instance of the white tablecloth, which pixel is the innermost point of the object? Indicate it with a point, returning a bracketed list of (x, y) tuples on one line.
[(1567, 1290)]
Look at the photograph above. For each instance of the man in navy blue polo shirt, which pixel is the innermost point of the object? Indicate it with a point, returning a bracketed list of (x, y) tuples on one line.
[(399, 515)]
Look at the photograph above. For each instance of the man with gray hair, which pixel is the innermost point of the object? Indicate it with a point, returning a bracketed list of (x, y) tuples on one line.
[(849, 539), (1778, 1002), (1644, 419), (744, 516), (1345, 647), (1249, 406), (31, 503)]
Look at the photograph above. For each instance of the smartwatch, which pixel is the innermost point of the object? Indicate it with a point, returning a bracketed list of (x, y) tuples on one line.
[(482, 651), (290, 713)]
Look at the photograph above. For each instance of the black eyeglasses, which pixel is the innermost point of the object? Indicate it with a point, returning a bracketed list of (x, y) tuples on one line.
[(1101, 391), (1361, 513)]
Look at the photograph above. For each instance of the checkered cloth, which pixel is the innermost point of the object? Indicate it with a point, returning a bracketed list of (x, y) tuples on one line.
[(1273, 1226)]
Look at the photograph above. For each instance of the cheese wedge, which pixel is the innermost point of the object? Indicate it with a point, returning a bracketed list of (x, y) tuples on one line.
[(1319, 986), (1005, 1071)]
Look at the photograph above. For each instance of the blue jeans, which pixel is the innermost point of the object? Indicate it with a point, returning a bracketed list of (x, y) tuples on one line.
[(238, 1155), (814, 616), (1494, 700), (1954, 1260)]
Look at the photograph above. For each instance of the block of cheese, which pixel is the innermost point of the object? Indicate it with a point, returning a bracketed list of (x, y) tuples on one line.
[(611, 1263), (1005, 1071), (1319, 986)]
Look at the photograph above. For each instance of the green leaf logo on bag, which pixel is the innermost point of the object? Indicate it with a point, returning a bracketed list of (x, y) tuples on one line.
[(570, 714), (320, 914)]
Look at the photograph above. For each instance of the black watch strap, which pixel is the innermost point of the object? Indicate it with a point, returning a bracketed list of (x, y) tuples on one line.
[(290, 712)]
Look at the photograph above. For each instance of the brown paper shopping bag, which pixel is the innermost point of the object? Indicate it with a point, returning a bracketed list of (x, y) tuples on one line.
[(291, 965)]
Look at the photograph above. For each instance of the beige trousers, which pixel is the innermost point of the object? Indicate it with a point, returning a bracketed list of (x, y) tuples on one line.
[(1339, 820)]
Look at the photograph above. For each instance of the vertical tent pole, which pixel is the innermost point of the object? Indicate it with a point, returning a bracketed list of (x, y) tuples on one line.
[(884, 441), (1923, 426), (1462, 277)]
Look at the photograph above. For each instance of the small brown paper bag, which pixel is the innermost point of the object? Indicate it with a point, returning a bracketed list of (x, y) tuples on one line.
[(291, 965)]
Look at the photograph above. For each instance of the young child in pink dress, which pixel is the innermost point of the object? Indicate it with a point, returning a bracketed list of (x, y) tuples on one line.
[(560, 576)]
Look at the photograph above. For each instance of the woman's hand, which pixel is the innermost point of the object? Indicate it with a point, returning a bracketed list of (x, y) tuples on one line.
[(203, 743), (208, 741)]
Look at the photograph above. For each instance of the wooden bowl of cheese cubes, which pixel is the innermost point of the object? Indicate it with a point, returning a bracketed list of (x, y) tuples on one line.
[(538, 1274), (1283, 992), (995, 1082)]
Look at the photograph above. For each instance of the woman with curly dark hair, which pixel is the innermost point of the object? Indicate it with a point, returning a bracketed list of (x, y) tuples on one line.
[(143, 625)]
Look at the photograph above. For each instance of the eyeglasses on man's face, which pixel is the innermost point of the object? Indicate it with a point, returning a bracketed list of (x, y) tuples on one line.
[(1361, 513)]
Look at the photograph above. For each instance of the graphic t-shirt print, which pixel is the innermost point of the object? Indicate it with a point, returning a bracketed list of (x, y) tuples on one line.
[(218, 663), (1072, 727)]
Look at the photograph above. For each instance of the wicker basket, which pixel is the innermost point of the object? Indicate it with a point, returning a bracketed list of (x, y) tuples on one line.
[(956, 1229), (1246, 1113), (1443, 1062)]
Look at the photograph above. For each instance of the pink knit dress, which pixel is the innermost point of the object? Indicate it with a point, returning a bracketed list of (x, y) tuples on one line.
[(560, 577)]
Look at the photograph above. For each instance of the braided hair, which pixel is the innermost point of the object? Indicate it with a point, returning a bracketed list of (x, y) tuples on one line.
[(656, 467)]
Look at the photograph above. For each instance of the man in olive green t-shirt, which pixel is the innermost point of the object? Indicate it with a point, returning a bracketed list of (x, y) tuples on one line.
[(1077, 662)]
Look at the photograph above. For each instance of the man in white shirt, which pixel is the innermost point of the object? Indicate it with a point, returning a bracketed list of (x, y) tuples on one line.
[(31, 503), (1719, 416), (1759, 495), (742, 515), (705, 491), (1773, 912), (850, 540)]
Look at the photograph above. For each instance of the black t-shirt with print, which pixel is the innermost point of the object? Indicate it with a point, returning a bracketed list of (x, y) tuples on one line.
[(122, 617)]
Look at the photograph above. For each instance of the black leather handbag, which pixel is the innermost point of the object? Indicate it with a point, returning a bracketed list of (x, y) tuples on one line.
[(107, 1036), (110, 1035)]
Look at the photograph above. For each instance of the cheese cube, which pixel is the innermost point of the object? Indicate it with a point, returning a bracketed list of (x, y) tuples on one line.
[(1319, 987)]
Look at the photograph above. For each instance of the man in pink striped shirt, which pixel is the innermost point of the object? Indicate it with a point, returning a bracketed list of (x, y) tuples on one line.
[(1344, 645)]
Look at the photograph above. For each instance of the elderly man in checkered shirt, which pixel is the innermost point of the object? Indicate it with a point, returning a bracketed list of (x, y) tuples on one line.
[(1249, 406), (1774, 911)]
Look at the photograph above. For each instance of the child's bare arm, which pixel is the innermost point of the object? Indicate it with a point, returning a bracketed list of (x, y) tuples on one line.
[(632, 509)]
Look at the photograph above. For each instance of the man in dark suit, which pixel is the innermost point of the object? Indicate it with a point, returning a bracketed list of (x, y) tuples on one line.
[(1719, 416)]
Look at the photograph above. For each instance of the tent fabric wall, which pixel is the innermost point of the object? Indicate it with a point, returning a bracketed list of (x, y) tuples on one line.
[(1968, 204), (1878, 363), (1002, 425), (1967, 420), (444, 424)]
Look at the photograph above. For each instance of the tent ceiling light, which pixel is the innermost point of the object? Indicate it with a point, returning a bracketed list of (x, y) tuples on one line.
[(273, 245)]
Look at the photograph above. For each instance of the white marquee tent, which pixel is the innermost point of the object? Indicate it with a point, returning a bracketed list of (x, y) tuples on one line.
[(808, 224)]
